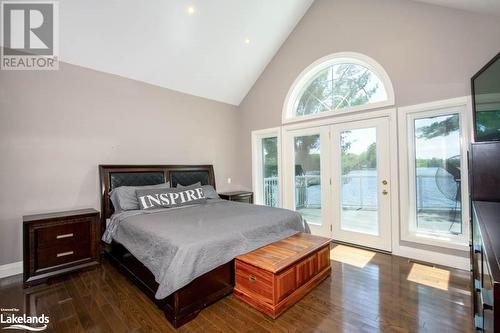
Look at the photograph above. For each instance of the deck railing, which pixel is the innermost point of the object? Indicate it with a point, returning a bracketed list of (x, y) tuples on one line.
[(360, 193), (271, 191)]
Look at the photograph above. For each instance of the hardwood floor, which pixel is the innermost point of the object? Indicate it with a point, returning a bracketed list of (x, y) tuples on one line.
[(366, 292)]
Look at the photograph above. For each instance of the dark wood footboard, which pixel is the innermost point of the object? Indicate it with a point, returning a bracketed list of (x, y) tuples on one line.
[(184, 304)]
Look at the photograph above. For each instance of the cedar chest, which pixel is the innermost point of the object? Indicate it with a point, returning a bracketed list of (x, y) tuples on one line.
[(276, 276)]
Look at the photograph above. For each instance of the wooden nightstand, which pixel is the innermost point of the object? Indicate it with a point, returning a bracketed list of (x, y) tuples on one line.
[(59, 243), (239, 196)]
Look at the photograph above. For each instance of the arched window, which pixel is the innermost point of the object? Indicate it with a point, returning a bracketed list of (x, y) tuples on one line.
[(338, 83)]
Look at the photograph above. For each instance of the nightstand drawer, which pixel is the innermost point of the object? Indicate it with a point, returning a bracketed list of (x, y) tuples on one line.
[(63, 254), (242, 198), (238, 196), (70, 232), (59, 243)]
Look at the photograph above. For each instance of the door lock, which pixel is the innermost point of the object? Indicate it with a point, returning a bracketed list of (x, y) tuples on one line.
[(384, 182)]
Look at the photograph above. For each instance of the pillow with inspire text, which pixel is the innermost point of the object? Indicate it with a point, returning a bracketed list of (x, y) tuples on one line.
[(208, 190), (170, 197)]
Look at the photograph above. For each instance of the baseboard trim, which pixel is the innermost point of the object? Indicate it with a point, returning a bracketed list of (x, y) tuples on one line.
[(423, 256), (441, 259), (11, 269)]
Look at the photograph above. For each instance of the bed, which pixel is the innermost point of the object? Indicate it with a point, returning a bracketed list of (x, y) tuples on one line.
[(183, 259)]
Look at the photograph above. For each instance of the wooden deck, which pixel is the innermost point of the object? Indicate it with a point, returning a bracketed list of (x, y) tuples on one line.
[(366, 292)]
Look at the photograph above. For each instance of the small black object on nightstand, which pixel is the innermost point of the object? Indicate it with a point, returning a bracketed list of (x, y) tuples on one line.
[(238, 196), (59, 243)]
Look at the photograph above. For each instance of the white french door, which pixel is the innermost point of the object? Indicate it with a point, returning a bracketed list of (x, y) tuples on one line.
[(307, 178), (338, 177), (361, 183)]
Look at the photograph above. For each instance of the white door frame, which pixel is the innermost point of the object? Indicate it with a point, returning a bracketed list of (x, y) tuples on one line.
[(382, 241), (391, 113), (257, 171), (407, 116)]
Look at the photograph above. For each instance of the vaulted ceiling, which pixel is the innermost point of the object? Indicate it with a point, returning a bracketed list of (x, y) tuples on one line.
[(210, 48)]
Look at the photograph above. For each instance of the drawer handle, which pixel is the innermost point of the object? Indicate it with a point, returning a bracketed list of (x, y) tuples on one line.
[(252, 278), (64, 236), (63, 254)]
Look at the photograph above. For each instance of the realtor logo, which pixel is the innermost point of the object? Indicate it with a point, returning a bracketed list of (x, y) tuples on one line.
[(17, 321), (30, 35)]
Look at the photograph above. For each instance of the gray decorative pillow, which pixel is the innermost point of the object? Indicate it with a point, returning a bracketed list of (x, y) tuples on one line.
[(208, 190), (170, 197), (124, 197)]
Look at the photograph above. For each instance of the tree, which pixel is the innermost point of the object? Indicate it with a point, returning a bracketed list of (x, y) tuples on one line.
[(270, 156), (345, 143), (334, 87), (441, 127), (369, 157), (337, 87), (303, 147), (364, 160)]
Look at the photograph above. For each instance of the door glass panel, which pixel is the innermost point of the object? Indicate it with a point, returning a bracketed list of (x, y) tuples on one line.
[(308, 177), (270, 171), (437, 161), (359, 196)]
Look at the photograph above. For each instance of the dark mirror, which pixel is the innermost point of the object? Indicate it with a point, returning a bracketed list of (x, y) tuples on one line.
[(486, 93)]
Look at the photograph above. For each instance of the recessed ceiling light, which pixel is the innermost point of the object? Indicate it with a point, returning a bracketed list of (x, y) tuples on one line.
[(247, 41), (191, 10)]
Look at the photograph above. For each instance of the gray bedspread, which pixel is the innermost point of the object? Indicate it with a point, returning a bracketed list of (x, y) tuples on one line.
[(178, 245)]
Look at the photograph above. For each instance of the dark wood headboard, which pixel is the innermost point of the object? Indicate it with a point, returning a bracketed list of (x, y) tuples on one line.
[(112, 176)]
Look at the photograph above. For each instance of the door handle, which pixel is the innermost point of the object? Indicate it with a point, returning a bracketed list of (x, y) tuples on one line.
[(384, 192)]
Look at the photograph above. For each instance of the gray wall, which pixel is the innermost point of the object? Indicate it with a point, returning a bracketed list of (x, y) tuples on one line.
[(429, 52), (56, 127)]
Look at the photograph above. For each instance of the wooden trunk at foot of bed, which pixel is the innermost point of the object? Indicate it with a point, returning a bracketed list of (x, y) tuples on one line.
[(184, 304)]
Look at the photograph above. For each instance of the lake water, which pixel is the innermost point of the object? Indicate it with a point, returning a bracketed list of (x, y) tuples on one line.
[(359, 190)]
